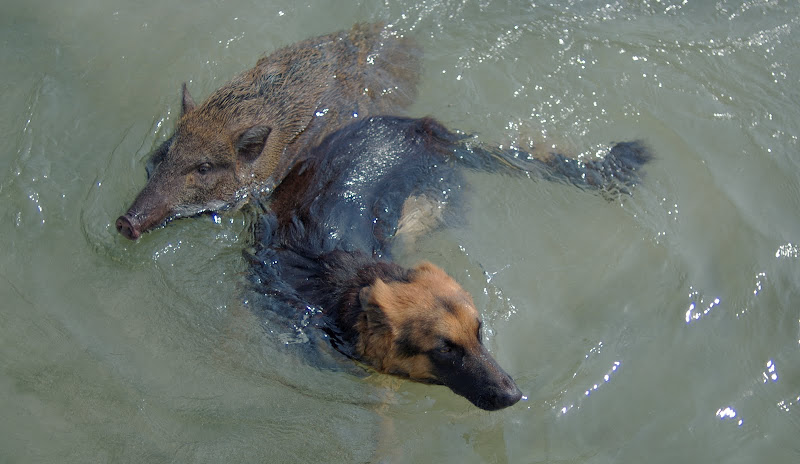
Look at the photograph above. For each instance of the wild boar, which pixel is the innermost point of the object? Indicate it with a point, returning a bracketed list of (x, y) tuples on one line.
[(244, 138)]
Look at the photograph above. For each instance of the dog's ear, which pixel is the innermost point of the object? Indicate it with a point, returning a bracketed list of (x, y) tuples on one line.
[(374, 327), (370, 304), (364, 297), (427, 267)]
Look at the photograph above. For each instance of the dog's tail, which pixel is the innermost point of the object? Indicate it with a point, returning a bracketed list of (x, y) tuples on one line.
[(618, 171)]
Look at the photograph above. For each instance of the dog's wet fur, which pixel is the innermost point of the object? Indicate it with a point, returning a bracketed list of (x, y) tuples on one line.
[(323, 243)]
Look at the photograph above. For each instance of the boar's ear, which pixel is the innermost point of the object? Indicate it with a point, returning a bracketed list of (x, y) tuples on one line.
[(251, 142), (187, 102)]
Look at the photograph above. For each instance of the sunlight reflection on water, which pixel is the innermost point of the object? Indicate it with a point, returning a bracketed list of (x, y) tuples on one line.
[(585, 300)]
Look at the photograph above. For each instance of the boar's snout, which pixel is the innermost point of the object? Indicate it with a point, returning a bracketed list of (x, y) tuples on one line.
[(128, 226), (150, 208), (133, 224)]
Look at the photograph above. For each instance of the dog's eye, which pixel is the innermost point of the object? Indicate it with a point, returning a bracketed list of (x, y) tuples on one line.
[(445, 349)]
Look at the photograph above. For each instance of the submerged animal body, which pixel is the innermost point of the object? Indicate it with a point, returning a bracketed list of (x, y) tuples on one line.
[(324, 244), (247, 134)]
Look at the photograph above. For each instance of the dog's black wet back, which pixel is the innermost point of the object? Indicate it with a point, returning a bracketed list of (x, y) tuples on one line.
[(352, 187), (349, 192)]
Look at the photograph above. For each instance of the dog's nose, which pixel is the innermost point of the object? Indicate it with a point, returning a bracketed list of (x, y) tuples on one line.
[(510, 394)]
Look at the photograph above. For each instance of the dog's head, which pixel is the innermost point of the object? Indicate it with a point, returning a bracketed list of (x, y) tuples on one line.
[(428, 330)]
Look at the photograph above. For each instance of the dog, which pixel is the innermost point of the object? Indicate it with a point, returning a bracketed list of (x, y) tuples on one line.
[(323, 246)]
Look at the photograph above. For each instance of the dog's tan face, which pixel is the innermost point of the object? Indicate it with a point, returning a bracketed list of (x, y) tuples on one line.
[(428, 330)]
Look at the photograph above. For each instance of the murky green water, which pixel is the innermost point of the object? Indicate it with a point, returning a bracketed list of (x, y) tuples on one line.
[(662, 328)]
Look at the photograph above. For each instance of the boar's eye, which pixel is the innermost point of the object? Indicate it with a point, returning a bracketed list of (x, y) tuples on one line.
[(204, 168)]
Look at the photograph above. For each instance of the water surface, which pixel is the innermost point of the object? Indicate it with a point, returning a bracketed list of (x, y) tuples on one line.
[(661, 327)]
